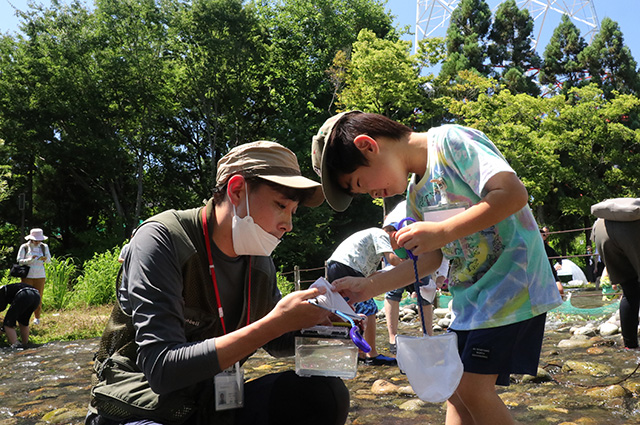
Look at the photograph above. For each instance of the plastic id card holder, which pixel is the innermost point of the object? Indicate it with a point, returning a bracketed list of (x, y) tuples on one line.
[(443, 211), (229, 388)]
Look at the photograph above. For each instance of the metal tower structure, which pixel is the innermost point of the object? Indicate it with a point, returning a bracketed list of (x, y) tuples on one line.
[(432, 16)]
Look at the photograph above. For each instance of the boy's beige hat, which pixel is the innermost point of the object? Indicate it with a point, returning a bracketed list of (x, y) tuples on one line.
[(270, 161), (337, 198)]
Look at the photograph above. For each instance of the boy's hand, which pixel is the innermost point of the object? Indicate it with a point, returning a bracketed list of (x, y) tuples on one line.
[(354, 289), (421, 237)]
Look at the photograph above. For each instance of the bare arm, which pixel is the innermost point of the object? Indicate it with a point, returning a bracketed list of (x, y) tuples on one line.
[(504, 195), (362, 288)]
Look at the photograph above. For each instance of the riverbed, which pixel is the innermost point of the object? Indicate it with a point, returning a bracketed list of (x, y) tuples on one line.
[(592, 381)]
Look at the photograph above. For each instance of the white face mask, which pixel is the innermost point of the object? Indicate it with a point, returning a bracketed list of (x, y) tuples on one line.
[(249, 238)]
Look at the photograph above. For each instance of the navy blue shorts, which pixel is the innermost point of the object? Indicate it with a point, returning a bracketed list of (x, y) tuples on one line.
[(505, 350), (336, 270)]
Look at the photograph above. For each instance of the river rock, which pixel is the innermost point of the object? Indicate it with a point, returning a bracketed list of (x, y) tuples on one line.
[(589, 330), (407, 315), (381, 387), (608, 329), (406, 390), (596, 351), (541, 376), (607, 393), (576, 341), (586, 368), (440, 312), (412, 405), (444, 323)]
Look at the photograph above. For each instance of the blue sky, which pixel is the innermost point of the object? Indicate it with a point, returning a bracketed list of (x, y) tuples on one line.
[(624, 12)]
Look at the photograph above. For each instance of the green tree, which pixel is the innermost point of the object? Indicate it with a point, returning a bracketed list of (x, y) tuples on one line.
[(511, 50), (304, 39), (561, 68), (609, 60), (466, 39), (382, 77), (570, 151)]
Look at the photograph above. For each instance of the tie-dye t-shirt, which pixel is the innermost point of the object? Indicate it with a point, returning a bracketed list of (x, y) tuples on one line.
[(500, 275)]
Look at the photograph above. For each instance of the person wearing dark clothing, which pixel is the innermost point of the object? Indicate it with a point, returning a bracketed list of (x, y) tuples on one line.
[(617, 242), (24, 299), (197, 296)]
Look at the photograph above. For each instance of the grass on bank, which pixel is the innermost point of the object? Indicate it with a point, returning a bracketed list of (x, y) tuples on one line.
[(68, 325)]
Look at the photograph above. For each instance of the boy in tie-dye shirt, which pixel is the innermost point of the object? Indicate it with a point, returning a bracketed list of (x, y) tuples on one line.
[(472, 210)]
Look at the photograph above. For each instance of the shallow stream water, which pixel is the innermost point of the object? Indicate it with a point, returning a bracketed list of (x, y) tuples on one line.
[(50, 384)]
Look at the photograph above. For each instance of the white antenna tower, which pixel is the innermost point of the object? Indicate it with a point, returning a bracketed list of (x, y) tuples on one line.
[(432, 16)]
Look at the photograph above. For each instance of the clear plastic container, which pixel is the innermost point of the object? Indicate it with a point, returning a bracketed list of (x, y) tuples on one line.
[(326, 351)]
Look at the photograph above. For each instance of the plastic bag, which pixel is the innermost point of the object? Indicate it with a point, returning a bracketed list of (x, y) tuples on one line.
[(432, 364)]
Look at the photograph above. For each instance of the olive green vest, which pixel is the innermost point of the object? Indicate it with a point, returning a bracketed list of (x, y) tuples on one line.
[(119, 388)]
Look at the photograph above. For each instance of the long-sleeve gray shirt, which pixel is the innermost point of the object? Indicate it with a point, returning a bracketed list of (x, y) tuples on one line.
[(152, 291)]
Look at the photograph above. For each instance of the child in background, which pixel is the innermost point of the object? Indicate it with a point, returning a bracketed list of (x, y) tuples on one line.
[(360, 255), (499, 275), (24, 299)]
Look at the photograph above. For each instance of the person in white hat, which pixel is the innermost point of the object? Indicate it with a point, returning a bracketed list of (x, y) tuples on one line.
[(34, 253)]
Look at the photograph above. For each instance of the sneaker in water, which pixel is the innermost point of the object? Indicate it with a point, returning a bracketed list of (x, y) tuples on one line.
[(379, 360), (36, 321)]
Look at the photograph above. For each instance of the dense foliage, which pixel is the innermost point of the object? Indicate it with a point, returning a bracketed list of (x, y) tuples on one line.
[(112, 113)]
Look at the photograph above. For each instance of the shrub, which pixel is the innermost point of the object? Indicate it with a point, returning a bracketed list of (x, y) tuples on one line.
[(61, 274), (97, 284), (284, 285)]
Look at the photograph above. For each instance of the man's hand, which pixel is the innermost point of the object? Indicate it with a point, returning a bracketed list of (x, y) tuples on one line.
[(354, 289), (294, 312)]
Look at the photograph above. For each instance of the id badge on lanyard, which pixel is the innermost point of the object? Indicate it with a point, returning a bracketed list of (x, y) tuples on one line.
[(229, 388), (444, 209)]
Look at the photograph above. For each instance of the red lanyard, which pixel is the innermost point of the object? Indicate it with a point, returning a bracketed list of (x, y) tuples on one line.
[(212, 271)]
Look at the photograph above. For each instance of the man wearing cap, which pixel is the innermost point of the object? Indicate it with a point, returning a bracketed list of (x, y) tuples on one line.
[(34, 253), (197, 296)]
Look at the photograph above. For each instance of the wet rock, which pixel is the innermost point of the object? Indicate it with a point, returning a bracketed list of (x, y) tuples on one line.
[(549, 408), (381, 387), (595, 350), (633, 387), (444, 323), (406, 390), (440, 312), (608, 329), (64, 416), (581, 421), (589, 330), (412, 405), (541, 376), (579, 341), (607, 393), (408, 315), (586, 368)]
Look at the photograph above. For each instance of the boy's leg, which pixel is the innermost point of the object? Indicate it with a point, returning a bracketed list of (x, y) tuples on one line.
[(489, 356), (370, 335), (476, 402), (392, 313)]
